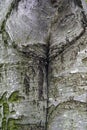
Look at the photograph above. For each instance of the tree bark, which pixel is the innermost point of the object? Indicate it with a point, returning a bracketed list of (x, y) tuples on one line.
[(43, 64)]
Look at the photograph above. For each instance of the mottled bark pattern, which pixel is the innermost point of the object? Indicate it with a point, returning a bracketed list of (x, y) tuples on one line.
[(43, 65), (67, 71)]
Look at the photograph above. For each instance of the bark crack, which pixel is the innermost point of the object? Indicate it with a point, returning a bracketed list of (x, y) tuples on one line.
[(47, 78)]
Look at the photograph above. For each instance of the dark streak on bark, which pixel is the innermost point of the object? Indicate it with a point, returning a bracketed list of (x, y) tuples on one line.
[(30, 52), (26, 84), (40, 80), (53, 1), (16, 3), (32, 127), (47, 78), (78, 3)]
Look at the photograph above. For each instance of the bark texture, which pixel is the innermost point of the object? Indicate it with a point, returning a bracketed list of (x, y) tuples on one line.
[(43, 65)]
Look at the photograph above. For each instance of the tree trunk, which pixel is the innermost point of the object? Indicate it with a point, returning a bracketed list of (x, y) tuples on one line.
[(43, 64)]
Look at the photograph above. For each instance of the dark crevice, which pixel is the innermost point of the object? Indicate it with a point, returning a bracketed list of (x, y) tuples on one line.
[(84, 20), (54, 3), (33, 55), (15, 4), (40, 80), (27, 84), (47, 79), (78, 3), (43, 61)]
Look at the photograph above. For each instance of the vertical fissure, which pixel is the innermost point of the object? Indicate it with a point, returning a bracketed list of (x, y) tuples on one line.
[(40, 80), (47, 79)]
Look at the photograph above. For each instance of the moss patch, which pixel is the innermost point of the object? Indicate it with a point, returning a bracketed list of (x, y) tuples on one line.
[(5, 109), (4, 124), (11, 125), (14, 97)]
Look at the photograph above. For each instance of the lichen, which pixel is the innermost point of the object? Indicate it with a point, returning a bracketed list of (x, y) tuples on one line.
[(5, 109), (14, 97), (8, 123), (4, 123), (3, 98), (11, 125)]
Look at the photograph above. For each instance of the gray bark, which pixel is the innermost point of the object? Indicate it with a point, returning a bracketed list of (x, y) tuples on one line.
[(43, 64)]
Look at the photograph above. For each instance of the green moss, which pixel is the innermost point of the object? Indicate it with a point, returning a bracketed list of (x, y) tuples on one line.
[(3, 98), (5, 109), (14, 97), (4, 124), (11, 125)]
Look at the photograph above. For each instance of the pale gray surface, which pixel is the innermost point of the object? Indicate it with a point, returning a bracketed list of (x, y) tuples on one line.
[(43, 55)]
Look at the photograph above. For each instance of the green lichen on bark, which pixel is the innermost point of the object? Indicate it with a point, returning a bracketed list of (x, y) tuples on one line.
[(14, 97), (3, 98), (5, 109), (4, 123), (9, 123)]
